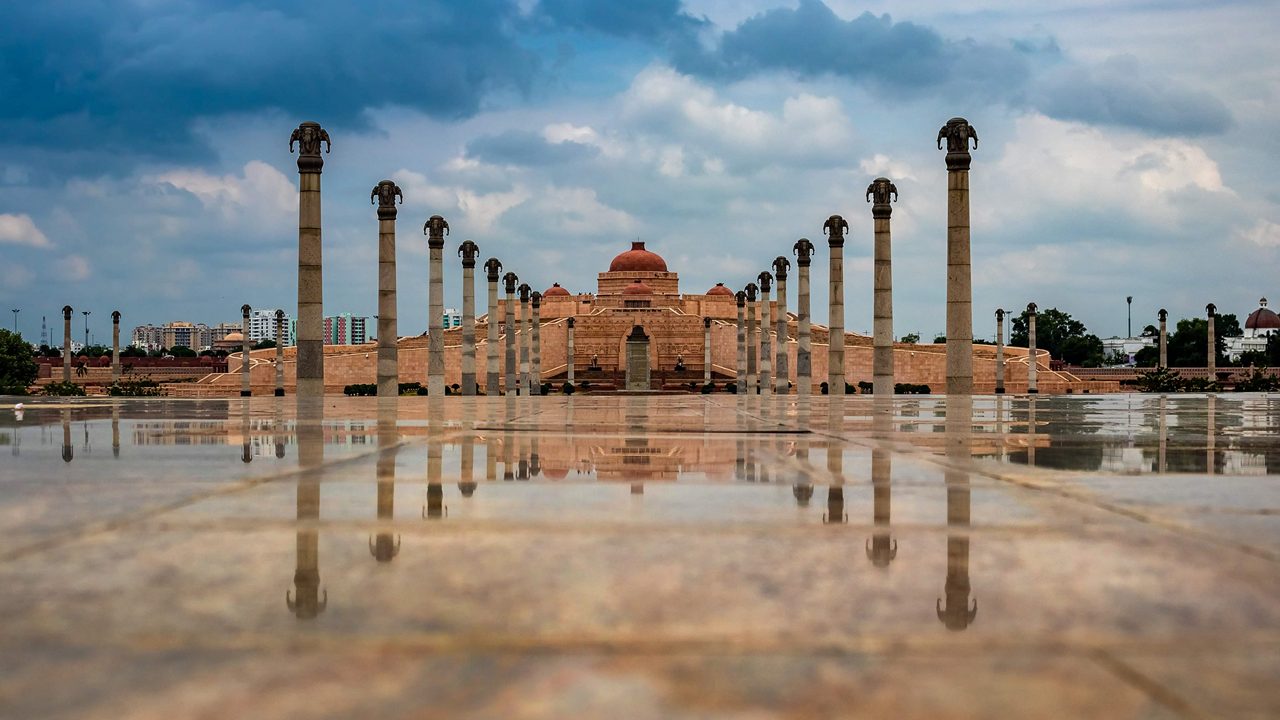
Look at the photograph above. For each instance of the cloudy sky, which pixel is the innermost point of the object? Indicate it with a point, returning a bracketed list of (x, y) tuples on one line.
[(1125, 148)]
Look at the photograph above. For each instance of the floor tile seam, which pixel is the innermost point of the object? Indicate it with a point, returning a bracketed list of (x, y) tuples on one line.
[(1148, 686)]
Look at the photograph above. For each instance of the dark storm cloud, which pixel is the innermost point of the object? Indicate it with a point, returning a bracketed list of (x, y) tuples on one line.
[(646, 19), (521, 147), (103, 76)]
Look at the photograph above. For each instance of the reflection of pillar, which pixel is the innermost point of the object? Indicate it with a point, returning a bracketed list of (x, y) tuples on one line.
[(535, 342), (1031, 432), (310, 333), (490, 458), (835, 462), (493, 376), (115, 346), (999, 351), (525, 384), (308, 600), (882, 191), (115, 432), (802, 490), (468, 251), (388, 365), (434, 509), (881, 548), (246, 448), (509, 281), (1211, 436), (277, 430), (766, 352), (244, 351), (706, 349), (835, 228), (1164, 338), (1031, 349), (279, 353), (435, 229), (957, 614), (66, 343), (569, 349), (1163, 440), (753, 368), (741, 377), (508, 440), (835, 506), (1211, 310), (781, 367), (68, 450), (804, 348), (957, 133), (466, 479), (385, 546)]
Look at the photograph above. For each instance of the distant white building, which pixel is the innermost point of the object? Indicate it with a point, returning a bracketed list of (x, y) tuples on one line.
[(1128, 347), (262, 326), (1260, 324), (452, 318)]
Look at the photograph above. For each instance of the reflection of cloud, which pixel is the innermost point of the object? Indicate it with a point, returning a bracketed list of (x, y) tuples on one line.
[(21, 230)]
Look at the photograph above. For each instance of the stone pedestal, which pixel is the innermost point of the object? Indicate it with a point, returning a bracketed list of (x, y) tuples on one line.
[(435, 229), (804, 350), (493, 375), (310, 334), (385, 195), (115, 346), (957, 132), (637, 359), (781, 368), (1164, 339), (1000, 351), (245, 345), (835, 227), (468, 251), (1031, 349), (880, 192)]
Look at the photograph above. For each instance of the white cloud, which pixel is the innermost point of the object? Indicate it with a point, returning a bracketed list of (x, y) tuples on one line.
[(1263, 233), (577, 211), (261, 194), (880, 165), (479, 211), (73, 268), (21, 230)]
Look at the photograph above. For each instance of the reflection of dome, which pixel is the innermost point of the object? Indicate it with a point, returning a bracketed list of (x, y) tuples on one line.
[(235, 336), (720, 289), (637, 288), (555, 291), (1264, 318), (637, 259)]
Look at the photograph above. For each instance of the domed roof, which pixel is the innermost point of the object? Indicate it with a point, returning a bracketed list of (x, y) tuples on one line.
[(234, 336), (637, 288), (720, 289), (555, 291), (1264, 318), (637, 259)]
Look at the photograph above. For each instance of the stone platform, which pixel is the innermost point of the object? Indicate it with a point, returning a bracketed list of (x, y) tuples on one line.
[(642, 557)]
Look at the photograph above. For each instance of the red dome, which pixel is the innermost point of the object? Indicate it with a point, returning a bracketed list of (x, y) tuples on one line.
[(1263, 318), (555, 291), (720, 289), (637, 288), (637, 259)]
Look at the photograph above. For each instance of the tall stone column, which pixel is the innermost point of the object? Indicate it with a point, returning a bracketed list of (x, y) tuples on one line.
[(999, 351), (880, 192), (706, 349), (435, 229), (493, 373), (310, 341), (957, 133), (1164, 339), (468, 251), (569, 350), (509, 282), (245, 391), (835, 228), (1031, 349), (766, 351), (1211, 312), (279, 353), (525, 330), (385, 193), (66, 343), (535, 341), (115, 346), (753, 368), (741, 376), (804, 348), (781, 368)]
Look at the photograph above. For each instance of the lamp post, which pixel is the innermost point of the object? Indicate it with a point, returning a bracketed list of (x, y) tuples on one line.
[(1129, 301)]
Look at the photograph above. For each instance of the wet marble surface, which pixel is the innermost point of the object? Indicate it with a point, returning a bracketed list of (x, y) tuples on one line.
[(646, 557)]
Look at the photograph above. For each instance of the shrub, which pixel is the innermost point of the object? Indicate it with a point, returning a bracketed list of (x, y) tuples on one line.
[(134, 388), (409, 388), (63, 389), (17, 368), (545, 389), (731, 387), (363, 389), (825, 388), (567, 388), (911, 389), (708, 388), (1258, 381), (865, 387)]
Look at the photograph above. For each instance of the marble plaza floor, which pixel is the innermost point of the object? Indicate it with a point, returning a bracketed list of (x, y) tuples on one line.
[(641, 557)]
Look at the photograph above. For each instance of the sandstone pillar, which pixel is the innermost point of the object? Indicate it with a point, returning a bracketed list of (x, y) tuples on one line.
[(280, 353), (388, 368), (468, 251), (435, 229), (245, 368), (753, 368), (509, 284), (957, 133), (835, 228), (999, 351), (569, 350), (781, 368), (880, 192), (804, 349), (310, 334), (493, 375), (706, 349), (741, 376), (115, 346), (1031, 349), (525, 330), (535, 342), (66, 343), (766, 352), (1164, 339), (1211, 311)]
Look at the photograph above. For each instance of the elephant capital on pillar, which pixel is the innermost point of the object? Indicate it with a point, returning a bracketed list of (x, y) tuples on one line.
[(244, 311), (468, 251), (706, 323), (999, 314), (1031, 308), (751, 291), (570, 323), (524, 291), (66, 312), (535, 298), (1211, 309), (435, 229), (115, 317), (879, 193), (958, 132), (835, 227), (766, 281), (309, 136), (492, 267), (741, 297), (803, 250), (509, 281), (1163, 314), (780, 266), (385, 194)]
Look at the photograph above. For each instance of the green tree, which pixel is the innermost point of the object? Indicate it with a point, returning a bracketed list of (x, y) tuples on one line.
[(132, 351), (1151, 331), (910, 338), (1147, 357), (18, 367), (264, 345), (1063, 336), (1188, 343), (183, 352)]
